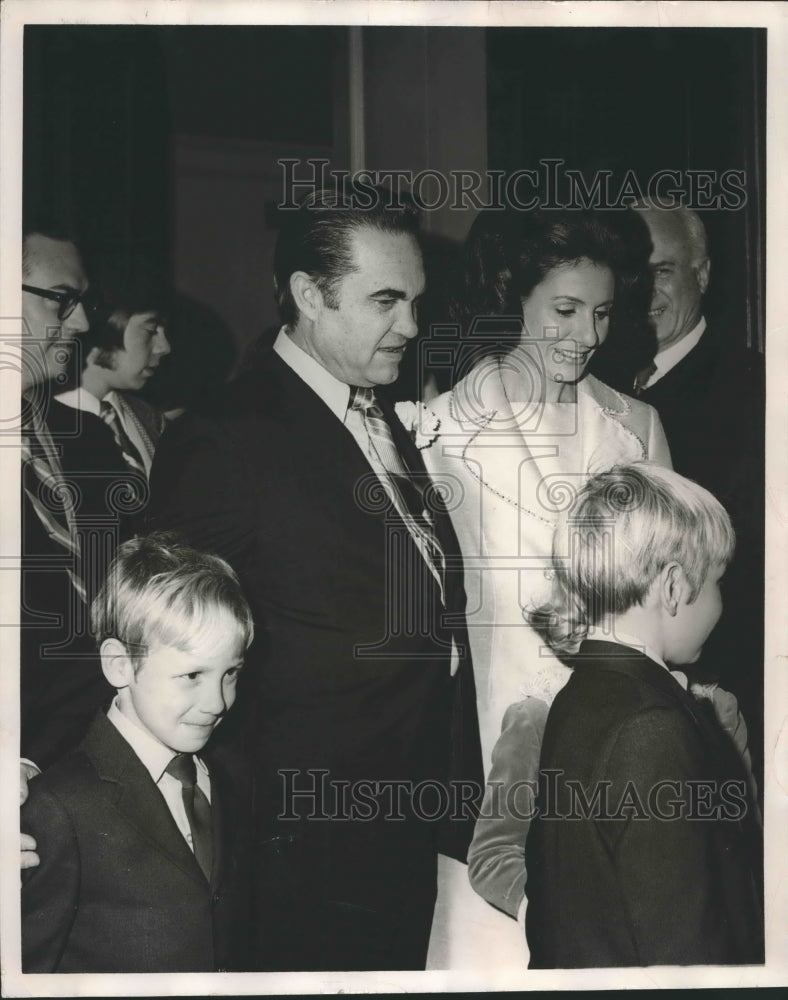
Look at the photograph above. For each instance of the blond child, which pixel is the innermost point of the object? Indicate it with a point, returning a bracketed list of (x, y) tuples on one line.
[(143, 849)]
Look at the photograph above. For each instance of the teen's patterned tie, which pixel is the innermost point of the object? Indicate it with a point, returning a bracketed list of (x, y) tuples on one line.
[(131, 456), (403, 492), (198, 809)]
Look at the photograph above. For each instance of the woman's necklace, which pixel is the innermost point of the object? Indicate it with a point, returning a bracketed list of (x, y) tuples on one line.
[(480, 479)]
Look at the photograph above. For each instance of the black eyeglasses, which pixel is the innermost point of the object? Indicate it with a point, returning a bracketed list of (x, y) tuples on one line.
[(67, 300)]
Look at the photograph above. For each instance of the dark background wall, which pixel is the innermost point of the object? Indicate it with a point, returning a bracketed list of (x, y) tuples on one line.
[(646, 100), (159, 145)]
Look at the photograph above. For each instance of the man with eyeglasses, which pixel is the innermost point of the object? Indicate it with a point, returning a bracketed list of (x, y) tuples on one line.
[(54, 310), (60, 688)]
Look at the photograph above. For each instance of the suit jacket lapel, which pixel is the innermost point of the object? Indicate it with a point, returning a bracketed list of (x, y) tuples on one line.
[(692, 376), (136, 797), (131, 414), (322, 446), (421, 481), (220, 831), (408, 451)]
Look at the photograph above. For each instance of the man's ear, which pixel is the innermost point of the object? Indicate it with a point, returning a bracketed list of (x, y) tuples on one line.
[(672, 587), (702, 270), (307, 296), (116, 663)]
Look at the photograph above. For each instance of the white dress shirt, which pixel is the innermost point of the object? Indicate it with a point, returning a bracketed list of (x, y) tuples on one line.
[(670, 357), (81, 399), (155, 757)]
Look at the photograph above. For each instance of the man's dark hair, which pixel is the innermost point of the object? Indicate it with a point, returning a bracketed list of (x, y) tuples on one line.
[(122, 297), (316, 238)]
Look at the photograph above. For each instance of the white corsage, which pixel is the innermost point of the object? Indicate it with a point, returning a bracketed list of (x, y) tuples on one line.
[(419, 421), (726, 708), (704, 691)]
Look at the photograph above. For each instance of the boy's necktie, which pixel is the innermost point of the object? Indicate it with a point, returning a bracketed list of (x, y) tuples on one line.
[(131, 456), (403, 492), (198, 809)]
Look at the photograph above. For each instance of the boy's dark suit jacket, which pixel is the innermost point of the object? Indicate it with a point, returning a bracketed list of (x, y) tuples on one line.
[(351, 658), (118, 889), (640, 890)]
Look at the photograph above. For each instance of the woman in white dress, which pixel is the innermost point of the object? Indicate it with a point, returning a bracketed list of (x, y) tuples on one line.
[(521, 430), (524, 428)]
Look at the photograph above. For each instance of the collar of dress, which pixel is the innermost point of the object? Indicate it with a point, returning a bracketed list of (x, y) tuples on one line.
[(480, 406)]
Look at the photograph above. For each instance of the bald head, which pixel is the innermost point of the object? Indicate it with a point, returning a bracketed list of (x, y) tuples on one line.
[(680, 267)]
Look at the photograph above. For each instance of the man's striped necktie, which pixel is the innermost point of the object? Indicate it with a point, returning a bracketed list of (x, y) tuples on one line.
[(403, 492)]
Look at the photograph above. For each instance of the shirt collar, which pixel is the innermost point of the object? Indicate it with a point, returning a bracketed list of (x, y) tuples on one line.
[(154, 756), (335, 394), (635, 642), (670, 357), (80, 399)]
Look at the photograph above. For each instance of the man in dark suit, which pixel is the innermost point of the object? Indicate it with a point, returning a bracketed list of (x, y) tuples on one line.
[(302, 477), (61, 683), (707, 389), (709, 392)]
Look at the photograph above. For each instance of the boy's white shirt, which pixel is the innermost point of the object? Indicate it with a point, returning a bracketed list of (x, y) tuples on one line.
[(155, 757)]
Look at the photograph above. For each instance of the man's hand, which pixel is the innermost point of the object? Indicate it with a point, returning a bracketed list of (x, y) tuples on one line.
[(27, 770), (29, 858)]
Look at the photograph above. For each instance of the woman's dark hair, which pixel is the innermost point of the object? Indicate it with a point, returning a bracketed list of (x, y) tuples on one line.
[(507, 254)]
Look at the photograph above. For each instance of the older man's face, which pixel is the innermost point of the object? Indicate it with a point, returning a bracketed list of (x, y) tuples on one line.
[(53, 265), (362, 340), (679, 279)]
